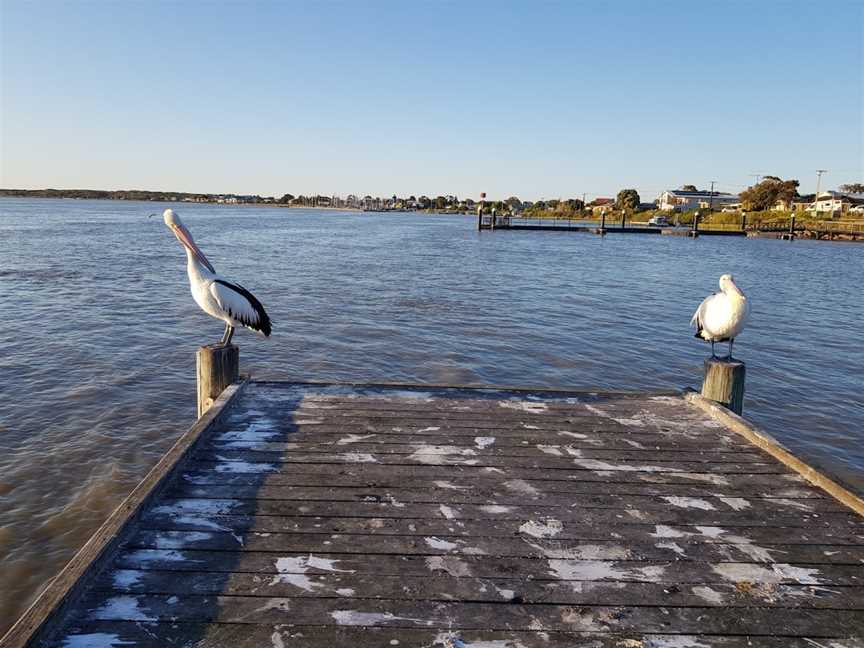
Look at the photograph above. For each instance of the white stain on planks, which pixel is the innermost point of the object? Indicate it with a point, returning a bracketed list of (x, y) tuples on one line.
[(690, 503), (596, 570), (354, 438), (293, 569), (441, 545), (521, 486), (522, 406), (439, 455), (95, 640), (448, 564), (358, 618), (483, 442), (121, 608), (545, 528), (711, 533), (777, 573)]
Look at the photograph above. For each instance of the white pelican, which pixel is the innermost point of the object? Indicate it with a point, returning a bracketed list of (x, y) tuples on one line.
[(218, 297), (721, 317)]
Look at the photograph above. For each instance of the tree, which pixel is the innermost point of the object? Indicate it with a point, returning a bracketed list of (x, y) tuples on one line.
[(286, 199), (689, 188), (574, 204), (440, 202), (767, 193), (852, 187), (628, 199), (514, 202)]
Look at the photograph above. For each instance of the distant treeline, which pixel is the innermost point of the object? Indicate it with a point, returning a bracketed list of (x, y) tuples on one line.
[(133, 194)]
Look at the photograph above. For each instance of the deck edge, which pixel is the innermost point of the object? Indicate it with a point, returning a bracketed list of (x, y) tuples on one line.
[(772, 446), (63, 589)]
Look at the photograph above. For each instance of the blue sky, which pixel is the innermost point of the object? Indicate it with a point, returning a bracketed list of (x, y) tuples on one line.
[(536, 99)]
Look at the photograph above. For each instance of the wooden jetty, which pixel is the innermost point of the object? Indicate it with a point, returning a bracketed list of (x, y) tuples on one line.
[(321, 515), (779, 229)]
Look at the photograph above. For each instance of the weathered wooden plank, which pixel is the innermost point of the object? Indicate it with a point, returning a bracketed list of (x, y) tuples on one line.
[(273, 451), (517, 493), (687, 513), (469, 615), (674, 573), (313, 438), (444, 587), (218, 469), (419, 427), (446, 456), (526, 545), (460, 482), (443, 526), (220, 635)]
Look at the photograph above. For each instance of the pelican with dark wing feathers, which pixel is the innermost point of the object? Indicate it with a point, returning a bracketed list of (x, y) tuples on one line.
[(218, 297), (721, 317)]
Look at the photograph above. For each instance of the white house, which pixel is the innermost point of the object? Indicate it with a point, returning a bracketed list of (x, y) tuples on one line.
[(680, 200), (834, 202)]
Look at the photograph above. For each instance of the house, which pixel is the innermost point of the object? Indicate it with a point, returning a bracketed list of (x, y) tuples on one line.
[(681, 200), (598, 205), (834, 203)]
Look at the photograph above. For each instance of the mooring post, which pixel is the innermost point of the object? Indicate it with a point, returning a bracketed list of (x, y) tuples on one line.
[(743, 222), (723, 382), (602, 221), (792, 227), (218, 367)]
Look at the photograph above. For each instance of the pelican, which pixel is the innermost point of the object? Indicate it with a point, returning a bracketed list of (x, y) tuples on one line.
[(218, 297), (721, 317)]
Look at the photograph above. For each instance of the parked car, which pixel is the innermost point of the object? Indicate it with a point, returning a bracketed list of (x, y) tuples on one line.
[(659, 221)]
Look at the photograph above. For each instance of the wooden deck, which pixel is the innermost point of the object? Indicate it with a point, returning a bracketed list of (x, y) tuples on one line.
[(321, 516)]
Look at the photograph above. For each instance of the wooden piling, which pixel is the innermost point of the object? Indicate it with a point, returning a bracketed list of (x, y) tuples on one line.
[(723, 382), (218, 367)]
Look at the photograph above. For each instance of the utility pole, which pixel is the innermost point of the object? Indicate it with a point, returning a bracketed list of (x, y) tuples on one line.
[(819, 173), (711, 198), (757, 176)]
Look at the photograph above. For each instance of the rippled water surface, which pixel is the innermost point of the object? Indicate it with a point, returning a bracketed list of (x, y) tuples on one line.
[(97, 368)]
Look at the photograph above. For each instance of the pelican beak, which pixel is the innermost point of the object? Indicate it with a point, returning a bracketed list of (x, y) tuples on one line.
[(185, 238)]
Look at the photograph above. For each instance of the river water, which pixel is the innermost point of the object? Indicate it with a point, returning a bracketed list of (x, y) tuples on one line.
[(97, 369)]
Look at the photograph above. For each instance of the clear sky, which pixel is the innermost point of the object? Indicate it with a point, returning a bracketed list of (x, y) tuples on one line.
[(536, 99)]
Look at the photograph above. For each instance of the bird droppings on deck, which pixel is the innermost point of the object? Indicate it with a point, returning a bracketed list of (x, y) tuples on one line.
[(449, 564), (546, 528), (598, 570), (690, 502), (231, 466), (596, 464), (354, 438), (447, 512), (357, 618), (450, 486), (523, 406), (573, 435), (521, 486), (95, 640), (356, 457), (483, 442), (122, 607), (672, 546), (776, 573), (439, 544), (709, 595), (553, 450), (496, 508), (735, 503), (439, 455)]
